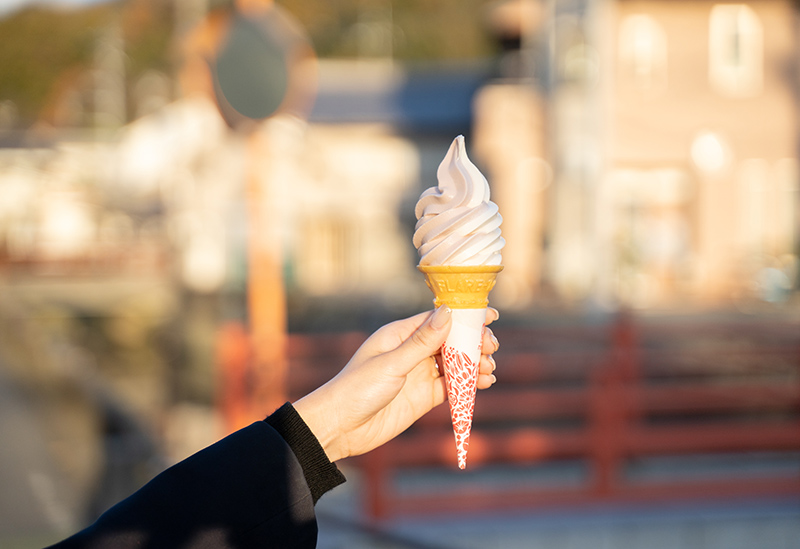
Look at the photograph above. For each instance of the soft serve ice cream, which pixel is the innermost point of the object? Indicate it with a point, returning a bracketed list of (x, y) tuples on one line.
[(459, 243), (457, 223)]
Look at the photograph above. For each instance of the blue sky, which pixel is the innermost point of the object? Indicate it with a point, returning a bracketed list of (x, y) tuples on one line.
[(8, 6)]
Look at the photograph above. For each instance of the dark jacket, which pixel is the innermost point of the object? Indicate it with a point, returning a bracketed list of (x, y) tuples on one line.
[(255, 488)]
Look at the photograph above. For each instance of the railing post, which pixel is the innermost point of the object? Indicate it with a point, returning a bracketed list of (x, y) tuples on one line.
[(610, 409), (625, 347), (376, 476), (233, 359), (628, 368), (605, 428)]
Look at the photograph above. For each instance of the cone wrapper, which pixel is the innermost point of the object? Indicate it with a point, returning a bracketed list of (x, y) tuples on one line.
[(466, 291)]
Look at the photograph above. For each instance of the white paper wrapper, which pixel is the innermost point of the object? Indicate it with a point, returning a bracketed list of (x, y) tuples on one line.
[(461, 354)]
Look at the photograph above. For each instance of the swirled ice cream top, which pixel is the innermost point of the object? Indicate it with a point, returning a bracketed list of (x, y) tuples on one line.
[(457, 224)]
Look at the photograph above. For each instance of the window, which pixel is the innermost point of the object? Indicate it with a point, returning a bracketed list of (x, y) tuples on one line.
[(735, 51), (643, 52)]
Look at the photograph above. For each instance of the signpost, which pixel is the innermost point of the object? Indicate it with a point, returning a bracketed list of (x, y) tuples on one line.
[(258, 66)]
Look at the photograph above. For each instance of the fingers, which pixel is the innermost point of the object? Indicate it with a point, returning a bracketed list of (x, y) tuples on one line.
[(490, 343), (424, 342), (486, 370), (492, 314), (392, 335), (484, 382), (488, 365), (439, 363)]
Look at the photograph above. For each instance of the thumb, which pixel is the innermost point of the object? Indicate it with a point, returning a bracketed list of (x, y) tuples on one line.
[(425, 341)]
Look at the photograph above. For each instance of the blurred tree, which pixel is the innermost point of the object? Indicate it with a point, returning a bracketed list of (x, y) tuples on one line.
[(38, 47), (148, 27), (43, 51), (419, 30)]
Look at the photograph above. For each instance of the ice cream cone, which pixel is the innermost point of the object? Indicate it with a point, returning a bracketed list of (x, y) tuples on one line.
[(466, 291)]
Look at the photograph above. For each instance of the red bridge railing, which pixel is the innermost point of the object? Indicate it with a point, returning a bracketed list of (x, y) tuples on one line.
[(606, 398)]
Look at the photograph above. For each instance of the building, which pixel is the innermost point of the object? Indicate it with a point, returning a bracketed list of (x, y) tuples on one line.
[(665, 135), (642, 153)]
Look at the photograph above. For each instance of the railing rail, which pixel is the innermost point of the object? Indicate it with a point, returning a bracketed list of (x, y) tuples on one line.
[(609, 396)]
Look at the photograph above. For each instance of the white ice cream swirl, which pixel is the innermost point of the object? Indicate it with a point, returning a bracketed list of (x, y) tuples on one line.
[(457, 224)]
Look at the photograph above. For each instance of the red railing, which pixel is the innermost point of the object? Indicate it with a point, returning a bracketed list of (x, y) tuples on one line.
[(603, 397)]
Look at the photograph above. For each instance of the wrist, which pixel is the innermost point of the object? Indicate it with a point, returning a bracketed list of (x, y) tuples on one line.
[(321, 420), (320, 473)]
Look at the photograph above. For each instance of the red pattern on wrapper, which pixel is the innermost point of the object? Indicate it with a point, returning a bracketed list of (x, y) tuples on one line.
[(461, 376)]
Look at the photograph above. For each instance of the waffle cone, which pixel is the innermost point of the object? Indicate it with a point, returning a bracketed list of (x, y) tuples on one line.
[(461, 287)]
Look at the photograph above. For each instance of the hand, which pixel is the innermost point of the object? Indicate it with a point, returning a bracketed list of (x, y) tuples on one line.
[(390, 382)]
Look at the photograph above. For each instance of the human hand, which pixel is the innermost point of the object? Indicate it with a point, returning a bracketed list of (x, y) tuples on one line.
[(393, 379)]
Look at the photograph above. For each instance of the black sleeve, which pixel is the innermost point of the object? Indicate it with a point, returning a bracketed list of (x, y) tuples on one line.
[(321, 475), (248, 490)]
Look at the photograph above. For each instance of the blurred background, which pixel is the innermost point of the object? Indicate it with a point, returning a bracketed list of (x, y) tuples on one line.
[(206, 205)]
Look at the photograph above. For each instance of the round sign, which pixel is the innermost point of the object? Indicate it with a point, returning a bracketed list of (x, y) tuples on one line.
[(251, 72)]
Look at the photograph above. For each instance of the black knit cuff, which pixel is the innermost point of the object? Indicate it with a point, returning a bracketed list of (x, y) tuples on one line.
[(321, 474)]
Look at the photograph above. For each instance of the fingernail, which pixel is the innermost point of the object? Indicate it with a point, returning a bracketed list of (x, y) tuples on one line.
[(440, 317), (494, 379), (496, 312), (495, 341), (494, 364)]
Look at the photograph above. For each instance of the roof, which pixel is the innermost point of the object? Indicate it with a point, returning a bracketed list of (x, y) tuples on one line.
[(427, 98)]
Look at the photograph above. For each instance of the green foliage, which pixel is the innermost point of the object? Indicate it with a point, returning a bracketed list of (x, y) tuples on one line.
[(41, 49), (38, 46), (420, 29), (148, 29), (45, 50)]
